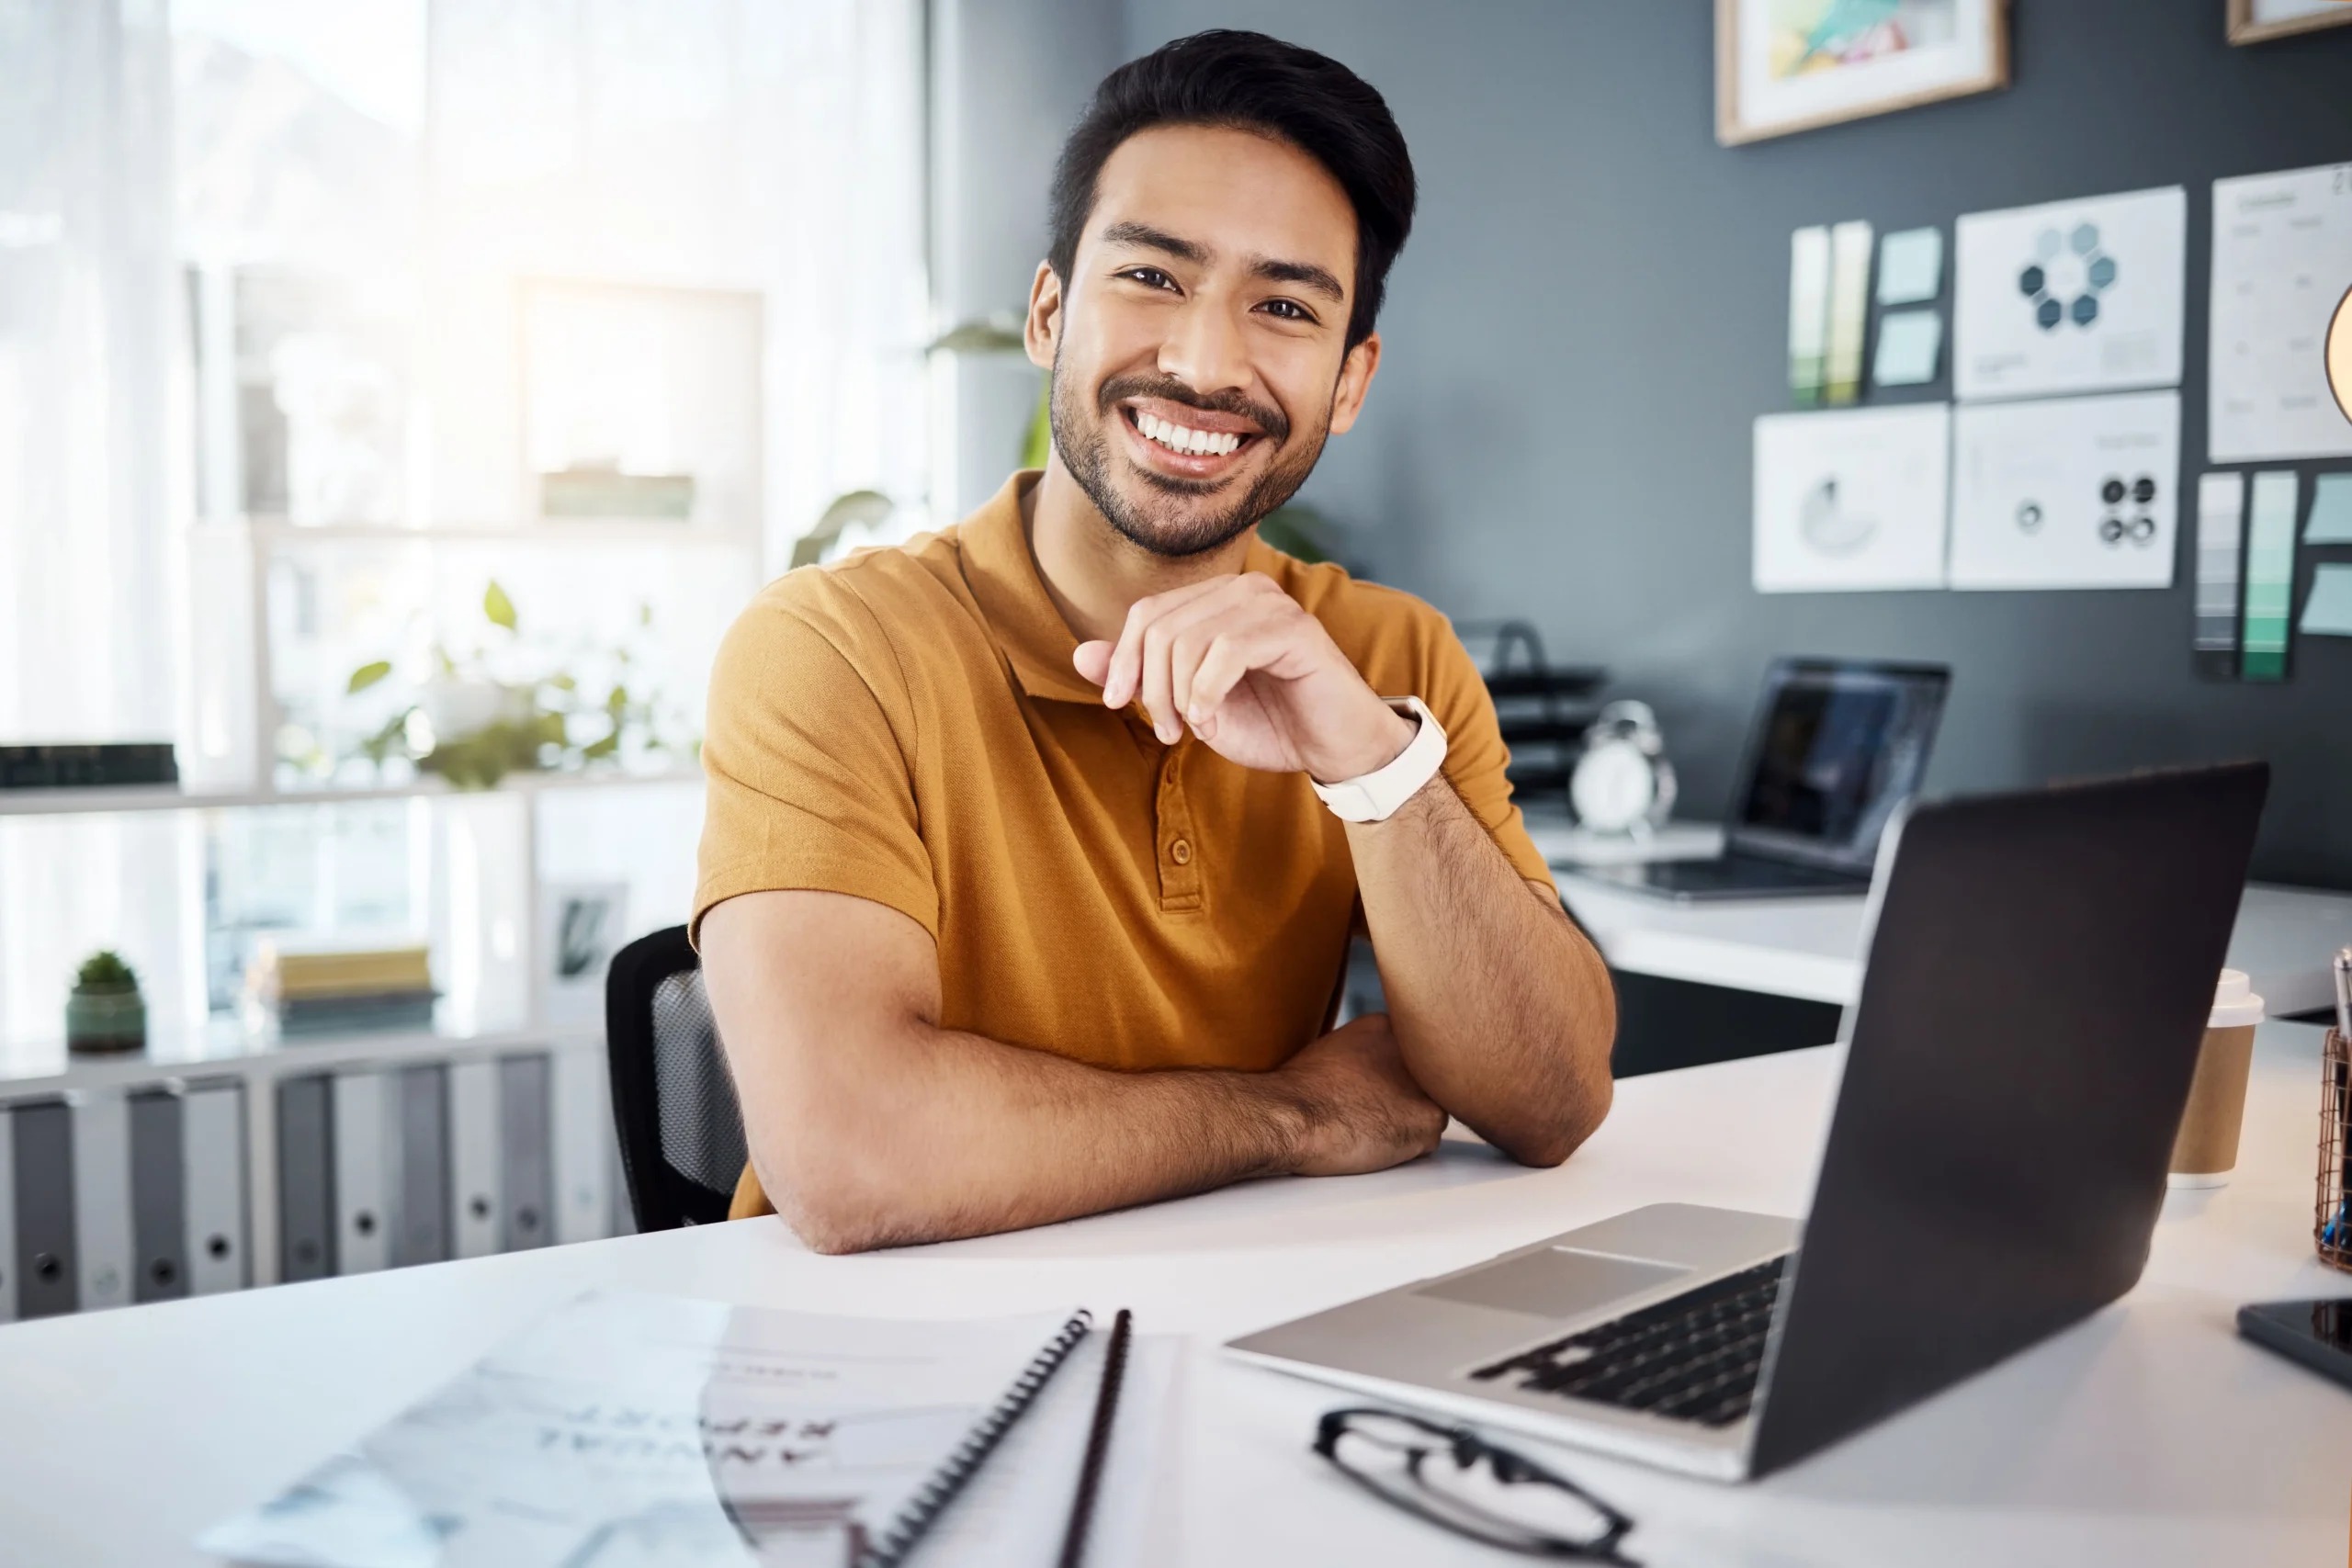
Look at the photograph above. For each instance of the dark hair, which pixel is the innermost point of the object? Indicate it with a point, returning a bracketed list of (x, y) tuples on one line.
[(1249, 81)]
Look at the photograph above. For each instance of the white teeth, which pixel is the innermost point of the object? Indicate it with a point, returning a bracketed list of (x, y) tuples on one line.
[(1178, 438)]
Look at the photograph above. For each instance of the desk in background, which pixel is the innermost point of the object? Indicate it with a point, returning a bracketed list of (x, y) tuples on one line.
[(2149, 1435), (1700, 982)]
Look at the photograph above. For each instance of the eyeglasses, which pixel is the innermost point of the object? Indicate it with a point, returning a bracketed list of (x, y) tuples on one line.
[(1452, 1477)]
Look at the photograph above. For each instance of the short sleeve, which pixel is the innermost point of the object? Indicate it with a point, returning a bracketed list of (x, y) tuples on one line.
[(809, 786), (1475, 757)]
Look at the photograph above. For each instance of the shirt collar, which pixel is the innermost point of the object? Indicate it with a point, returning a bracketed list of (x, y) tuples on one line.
[(1003, 574)]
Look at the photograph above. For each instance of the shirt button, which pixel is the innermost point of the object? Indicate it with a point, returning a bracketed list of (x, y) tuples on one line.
[(1181, 852)]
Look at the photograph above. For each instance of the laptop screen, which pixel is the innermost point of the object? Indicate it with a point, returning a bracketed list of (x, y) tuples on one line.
[(1840, 744)]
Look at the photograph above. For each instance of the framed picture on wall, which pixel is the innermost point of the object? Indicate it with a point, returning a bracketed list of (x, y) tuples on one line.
[(2251, 21), (1784, 65)]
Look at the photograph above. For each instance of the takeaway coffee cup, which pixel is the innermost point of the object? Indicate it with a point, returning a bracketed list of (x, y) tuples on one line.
[(2206, 1149)]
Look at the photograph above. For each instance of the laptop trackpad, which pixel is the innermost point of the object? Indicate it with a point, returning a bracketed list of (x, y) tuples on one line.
[(1558, 1281)]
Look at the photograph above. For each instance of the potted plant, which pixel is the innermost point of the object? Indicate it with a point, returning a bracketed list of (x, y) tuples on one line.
[(105, 1011)]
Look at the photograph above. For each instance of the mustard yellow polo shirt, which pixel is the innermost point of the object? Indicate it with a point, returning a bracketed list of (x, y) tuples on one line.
[(905, 726)]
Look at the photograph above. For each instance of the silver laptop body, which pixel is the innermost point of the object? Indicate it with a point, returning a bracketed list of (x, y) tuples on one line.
[(2040, 967)]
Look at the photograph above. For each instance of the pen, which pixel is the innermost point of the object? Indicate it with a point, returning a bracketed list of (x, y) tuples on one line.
[(1097, 1442), (2342, 967), (2334, 1234)]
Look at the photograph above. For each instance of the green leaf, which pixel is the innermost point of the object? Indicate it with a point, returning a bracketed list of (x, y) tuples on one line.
[(616, 701), (498, 607), (368, 675), (644, 613), (563, 683)]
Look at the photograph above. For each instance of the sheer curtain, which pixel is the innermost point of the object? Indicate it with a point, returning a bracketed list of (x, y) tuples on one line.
[(746, 144), (85, 303), (770, 146), (87, 613)]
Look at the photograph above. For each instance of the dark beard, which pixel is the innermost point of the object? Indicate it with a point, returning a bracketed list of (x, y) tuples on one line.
[(1085, 451)]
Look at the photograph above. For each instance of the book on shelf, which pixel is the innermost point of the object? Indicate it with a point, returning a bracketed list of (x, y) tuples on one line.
[(103, 765), (335, 991)]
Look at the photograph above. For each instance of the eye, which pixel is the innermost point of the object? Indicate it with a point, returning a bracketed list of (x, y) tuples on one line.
[(1288, 311), (1149, 276)]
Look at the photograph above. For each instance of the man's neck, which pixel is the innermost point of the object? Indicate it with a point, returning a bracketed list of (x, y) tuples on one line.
[(1091, 571)]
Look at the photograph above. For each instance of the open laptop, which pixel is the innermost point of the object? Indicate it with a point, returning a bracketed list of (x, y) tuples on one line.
[(2041, 968), (1839, 746)]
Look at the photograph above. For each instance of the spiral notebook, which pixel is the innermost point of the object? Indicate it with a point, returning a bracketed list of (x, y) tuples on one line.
[(631, 1430)]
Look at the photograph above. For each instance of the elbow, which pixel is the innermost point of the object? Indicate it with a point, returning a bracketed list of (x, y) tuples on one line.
[(1584, 1107), (829, 1186)]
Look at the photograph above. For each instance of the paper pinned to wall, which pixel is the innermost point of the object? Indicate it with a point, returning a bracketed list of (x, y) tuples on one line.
[(2282, 259), (2071, 492), (2070, 296), (2328, 611), (1909, 345), (1910, 266), (1850, 308), (2220, 528), (1808, 312), (2331, 519), (1851, 501), (2269, 575)]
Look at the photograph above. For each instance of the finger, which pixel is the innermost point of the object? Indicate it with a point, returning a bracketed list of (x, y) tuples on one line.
[(1093, 660), (1156, 699), (1192, 629), (1125, 677), (1236, 650), (1169, 644)]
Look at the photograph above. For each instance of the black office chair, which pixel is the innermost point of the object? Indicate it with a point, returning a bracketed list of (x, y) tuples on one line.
[(681, 1130)]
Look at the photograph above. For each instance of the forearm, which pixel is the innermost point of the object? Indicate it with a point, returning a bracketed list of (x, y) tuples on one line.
[(929, 1135), (1502, 1007)]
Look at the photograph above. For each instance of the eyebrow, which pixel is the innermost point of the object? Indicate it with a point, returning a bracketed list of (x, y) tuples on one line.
[(1305, 273)]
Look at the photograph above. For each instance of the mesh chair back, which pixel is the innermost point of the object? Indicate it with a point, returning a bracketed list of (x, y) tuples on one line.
[(674, 1105), (694, 1099)]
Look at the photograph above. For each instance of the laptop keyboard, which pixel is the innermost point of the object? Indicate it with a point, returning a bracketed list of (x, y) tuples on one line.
[(1692, 1357)]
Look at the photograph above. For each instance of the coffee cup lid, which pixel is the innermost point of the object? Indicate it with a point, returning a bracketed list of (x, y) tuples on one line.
[(2234, 1003)]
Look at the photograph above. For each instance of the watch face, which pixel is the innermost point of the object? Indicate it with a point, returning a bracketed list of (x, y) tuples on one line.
[(1614, 787)]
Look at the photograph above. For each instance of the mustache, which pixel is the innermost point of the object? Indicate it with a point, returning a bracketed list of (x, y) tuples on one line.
[(1268, 418)]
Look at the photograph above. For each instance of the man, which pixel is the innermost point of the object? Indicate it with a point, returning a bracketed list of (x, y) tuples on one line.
[(1020, 895)]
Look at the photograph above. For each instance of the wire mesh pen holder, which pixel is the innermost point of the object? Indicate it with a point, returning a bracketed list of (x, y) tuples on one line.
[(2332, 1225)]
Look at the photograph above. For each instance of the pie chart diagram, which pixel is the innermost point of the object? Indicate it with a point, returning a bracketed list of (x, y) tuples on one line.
[(1829, 524)]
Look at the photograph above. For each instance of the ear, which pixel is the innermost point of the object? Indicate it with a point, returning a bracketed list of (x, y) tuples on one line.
[(1042, 328), (1355, 380)]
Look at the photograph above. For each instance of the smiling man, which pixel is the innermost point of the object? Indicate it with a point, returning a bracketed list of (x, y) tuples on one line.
[(1035, 846)]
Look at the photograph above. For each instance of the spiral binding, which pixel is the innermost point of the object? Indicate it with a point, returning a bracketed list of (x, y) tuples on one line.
[(949, 1478)]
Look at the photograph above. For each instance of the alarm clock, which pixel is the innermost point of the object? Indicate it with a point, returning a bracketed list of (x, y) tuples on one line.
[(1623, 784)]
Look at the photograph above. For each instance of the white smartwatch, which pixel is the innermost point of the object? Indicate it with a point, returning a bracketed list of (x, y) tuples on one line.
[(1375, 797)]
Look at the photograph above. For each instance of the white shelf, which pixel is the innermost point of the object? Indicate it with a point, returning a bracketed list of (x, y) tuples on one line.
[(536, 531), (163, 797), (224, 1048)]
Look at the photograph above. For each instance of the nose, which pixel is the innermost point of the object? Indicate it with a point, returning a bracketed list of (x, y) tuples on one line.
[(1203, 347)]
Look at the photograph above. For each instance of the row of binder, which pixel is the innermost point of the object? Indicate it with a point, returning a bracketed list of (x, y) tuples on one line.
[(108, 1198)]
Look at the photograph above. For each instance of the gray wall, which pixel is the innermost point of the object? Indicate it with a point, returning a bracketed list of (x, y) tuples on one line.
[(1593, 309), (1007, 77)]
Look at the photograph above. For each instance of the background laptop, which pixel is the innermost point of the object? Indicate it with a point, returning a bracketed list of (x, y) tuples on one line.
[(1838, 746), (2041, 968)]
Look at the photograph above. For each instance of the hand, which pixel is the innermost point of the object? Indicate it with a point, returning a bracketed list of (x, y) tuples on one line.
[(1363, 1111), (1256, 677)]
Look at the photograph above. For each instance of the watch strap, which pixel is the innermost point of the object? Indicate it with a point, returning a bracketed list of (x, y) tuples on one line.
[(1375, 797)]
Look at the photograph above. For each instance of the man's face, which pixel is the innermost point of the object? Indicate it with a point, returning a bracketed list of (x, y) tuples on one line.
[(1198, 346)]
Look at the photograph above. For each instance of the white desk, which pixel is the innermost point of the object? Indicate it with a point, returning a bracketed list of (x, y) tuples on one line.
[(2149, 1435), (1811, 947)]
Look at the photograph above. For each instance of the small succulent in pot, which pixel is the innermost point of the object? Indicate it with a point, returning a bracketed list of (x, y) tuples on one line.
[(105, 1011)]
